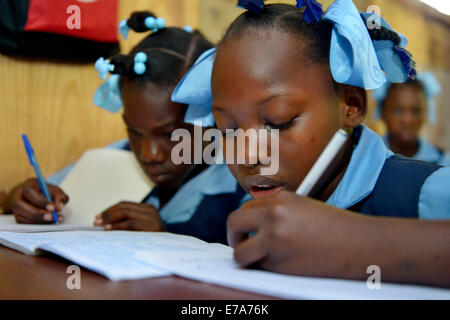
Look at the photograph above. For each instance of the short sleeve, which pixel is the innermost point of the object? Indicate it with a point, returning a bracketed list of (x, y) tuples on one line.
[(434, 199), (445, 160)]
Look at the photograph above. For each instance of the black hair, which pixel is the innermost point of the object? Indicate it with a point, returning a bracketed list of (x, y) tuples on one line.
[(170, 51), (288, 18), (317, 36)]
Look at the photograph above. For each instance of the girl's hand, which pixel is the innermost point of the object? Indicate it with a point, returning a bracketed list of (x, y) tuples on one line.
[(130, 216), (295, 235), (29, 205)]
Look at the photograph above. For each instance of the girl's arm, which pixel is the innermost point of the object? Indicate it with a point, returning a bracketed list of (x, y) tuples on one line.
[(302, 236)]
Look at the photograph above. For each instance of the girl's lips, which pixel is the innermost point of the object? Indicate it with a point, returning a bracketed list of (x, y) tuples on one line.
[(158, 177), (264, 190)]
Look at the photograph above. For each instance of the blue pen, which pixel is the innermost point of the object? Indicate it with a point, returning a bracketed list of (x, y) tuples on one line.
[(40, 178)]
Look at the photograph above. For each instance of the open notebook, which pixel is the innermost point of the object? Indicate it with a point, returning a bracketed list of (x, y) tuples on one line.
[(127, 255), (99, 179)]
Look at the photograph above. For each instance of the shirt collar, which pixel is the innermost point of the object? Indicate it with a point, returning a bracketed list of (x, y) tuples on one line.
[(217, 179), (363, 171), (426, 152)]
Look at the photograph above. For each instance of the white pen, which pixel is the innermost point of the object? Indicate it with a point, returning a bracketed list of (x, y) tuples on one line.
[(324, 161)]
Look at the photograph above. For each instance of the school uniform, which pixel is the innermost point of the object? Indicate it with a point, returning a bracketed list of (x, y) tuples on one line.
[(427, 152), (199, 208), (379, 183)]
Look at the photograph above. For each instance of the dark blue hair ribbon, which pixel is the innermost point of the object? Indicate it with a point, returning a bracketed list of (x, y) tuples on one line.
[(255, 6), (407, 61), (313, 10)]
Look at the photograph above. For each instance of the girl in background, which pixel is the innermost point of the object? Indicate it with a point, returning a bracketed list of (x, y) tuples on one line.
[(404, 109)]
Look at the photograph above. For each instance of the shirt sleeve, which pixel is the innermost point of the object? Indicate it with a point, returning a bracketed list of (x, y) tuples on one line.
[(445, 160), (434, 199)]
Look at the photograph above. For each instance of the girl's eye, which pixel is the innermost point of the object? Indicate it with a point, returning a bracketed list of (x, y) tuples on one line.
[(134, 132), (280, 126)]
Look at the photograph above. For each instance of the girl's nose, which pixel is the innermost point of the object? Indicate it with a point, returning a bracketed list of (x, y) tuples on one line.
[(151, 151)]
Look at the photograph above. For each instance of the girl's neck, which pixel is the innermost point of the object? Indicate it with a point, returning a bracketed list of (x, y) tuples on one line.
[(406, 148)]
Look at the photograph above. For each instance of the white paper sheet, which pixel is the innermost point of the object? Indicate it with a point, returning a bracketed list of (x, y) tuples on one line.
[(216, 265), (8, 223), (110, 254), (101, 178), (127, 255)]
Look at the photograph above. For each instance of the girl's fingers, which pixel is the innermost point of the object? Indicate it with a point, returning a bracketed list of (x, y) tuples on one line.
[(36, 198), (241, 222), (59, 197), (31, 214), (124, 225), (136, 225), (250, 251), (127, 211)]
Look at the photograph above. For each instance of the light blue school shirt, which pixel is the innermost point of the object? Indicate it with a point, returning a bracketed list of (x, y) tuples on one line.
[(427, 152)]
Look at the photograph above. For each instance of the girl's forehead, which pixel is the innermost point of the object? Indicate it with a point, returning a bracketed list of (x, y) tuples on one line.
[(272, 62), (150, 102), (259, 49)]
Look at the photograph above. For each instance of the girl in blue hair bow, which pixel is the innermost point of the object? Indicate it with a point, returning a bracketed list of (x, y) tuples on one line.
[(306, 74), (404, 109), (189, 198)]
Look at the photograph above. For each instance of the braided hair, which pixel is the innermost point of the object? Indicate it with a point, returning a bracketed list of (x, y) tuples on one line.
[(171, 52), (316, 37)]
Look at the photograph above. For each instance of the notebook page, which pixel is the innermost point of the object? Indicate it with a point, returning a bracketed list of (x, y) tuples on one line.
[(218, 267), (111, 253)]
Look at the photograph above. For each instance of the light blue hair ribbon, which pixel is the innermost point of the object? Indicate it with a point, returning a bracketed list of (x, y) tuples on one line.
[(432, 89), (124, 29), (354, 61), (396, 69), (194, 89), (107, 96)]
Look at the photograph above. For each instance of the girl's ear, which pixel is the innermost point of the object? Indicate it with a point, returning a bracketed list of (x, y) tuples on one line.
[(354, 101)]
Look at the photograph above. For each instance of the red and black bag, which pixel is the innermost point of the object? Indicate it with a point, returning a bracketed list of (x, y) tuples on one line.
[(81, 30)]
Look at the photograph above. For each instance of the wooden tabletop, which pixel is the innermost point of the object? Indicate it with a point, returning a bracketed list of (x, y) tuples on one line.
[(44, 277)]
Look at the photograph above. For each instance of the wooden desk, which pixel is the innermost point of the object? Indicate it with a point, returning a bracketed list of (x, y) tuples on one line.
[(44, 277)]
